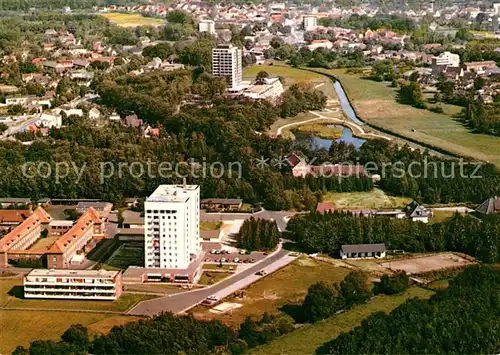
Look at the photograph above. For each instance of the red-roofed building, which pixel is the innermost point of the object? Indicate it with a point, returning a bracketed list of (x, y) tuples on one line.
[(324, 207), (88, 228)]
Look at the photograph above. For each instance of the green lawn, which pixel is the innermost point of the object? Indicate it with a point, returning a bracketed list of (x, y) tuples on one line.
[(375, 102), (291, 75), (22, 327), (132, 20), (320, 128), (439, 216), (284, 287), (217, 267), (307, 339), (371, 199), (127, 254), (210, 225), (210, 278)]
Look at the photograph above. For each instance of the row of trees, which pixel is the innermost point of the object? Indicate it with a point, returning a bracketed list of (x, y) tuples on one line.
[(483, 118), (258, 234), (328, 232), (461, 319)]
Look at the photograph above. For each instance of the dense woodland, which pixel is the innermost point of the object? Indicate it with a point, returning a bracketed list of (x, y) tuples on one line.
[(328, 232), (258, 234), (463, 319)]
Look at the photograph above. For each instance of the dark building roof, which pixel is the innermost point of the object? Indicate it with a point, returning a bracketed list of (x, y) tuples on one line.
[(413, 209), (491, 205), (14, 200), (363, 248), (222, 201)]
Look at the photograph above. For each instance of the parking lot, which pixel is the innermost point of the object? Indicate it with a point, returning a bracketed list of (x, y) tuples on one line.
[(224, 256)]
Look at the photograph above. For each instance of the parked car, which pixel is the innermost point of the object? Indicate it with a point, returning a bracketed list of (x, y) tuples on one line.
[(236, 260), (212, 251), (242, 252), (261, 273), (252, 260), (223, 260)]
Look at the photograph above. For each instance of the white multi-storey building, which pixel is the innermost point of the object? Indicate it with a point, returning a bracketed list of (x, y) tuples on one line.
[(310, 22), (73, 284), (172, 226), (446, 59), (226, 63), (207, 26)]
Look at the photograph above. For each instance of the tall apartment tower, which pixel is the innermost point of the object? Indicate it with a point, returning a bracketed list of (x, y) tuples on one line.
[(172, 226), (310, 22), (226, 63), (207, 26)]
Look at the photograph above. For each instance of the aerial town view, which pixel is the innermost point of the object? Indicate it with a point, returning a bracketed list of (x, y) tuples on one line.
[(249, 177)]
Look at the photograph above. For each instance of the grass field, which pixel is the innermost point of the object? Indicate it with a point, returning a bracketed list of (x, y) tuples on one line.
[(44, 243), (439, 216), (217, 267), (375, 103), (320, 129), (291, 75), (132, 20), (210, 278), (371, 199), (22, 327), (210, 225), (127, 254), (308, 338), (284, 287)]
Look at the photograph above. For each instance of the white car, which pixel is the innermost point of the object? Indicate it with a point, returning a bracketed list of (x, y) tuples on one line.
[(242, 252), (213, 298), (236, 260), (212, 251)]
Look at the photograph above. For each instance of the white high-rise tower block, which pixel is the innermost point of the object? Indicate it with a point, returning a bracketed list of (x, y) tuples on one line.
[(172, 226)]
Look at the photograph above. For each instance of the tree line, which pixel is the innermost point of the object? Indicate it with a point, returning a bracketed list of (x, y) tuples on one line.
[(327, 233), (258, 234), (460, 319)]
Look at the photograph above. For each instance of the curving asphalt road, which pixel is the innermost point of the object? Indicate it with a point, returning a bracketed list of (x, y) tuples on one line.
[(183, 301)]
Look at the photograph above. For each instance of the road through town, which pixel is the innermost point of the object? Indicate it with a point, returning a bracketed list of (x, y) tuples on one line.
[(180, 302)]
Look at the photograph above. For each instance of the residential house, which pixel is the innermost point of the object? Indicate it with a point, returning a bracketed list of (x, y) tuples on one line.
[(361, 251), (489, 206), (417, 212), (221, 204), (133, 121), (94, 113)]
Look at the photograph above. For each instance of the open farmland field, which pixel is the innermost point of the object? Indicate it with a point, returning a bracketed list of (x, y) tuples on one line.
[(132, 20), (375, 103), (291, 75), (284, 287), (427, 263), (22, 327), (308, 338), (375, 198)]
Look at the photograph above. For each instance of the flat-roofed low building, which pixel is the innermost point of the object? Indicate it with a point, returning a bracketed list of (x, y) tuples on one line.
[(221, 204), (359, 251), (73, 284)]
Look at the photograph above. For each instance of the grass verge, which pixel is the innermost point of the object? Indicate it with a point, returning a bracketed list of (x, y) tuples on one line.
[(375, 198)]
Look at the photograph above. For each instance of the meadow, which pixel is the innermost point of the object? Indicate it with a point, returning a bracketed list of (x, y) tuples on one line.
[(308, 338), (132, 20), (375, 103)]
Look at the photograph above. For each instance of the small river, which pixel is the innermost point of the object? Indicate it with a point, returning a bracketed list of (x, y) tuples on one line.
[(316, 142)]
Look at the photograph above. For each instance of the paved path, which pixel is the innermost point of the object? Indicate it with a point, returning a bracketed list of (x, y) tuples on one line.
[(181, 302)]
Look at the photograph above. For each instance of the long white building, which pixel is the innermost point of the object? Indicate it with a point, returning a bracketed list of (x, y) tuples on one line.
[(73, 284), (172, 226), (227, 63)]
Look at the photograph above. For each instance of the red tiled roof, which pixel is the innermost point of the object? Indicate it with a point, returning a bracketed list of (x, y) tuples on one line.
[(33, 221), (323, 207), (82, 225), (13, 216)]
